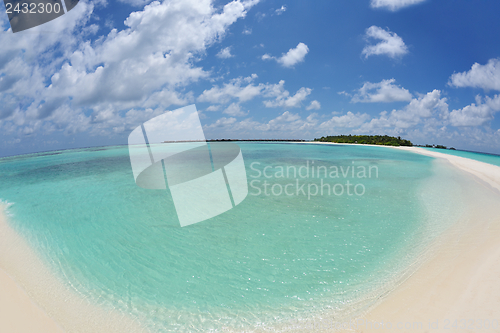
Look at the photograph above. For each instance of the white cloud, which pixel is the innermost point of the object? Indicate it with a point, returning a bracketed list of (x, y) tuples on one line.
[(285, 117), (424, 110), (236, 88), (486, 76), (393, 5), (234, 110), (244, 89), (282, 97), (247, 31), (70, 83), (225, 53), (27, 59), (391, 44), (385, 91), (213, 108), (315, 105), (425, 114), (349, 120), (425, 119), (430, 111), (139, 61), (223, 122), (292, 57), (476, 114), (286, 125), (281, 10), (426, 106), (136, 3)]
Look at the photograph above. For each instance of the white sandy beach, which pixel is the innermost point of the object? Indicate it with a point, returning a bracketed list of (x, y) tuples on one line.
[(18, 312), (460, 282), (458, 290)]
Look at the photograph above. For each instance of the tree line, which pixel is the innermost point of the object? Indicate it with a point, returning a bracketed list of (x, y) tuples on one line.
[(384, 140)]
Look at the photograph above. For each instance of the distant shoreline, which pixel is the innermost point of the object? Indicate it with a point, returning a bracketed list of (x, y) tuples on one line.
[(49, 152)]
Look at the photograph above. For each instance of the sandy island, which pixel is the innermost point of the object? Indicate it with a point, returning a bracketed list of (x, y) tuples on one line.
[(457, 290)]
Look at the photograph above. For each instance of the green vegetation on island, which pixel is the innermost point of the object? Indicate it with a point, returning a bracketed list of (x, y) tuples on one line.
[(439, 147), (384, 140)]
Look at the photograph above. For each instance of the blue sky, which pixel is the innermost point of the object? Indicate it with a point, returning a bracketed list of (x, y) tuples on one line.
[(426, 70)]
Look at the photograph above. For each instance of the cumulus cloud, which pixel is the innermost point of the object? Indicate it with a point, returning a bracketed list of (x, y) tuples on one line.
[(315, 105), (292, 57), (486, 76), (282, 97), (390, 43), (222, 122), (138, 61), (213, 108), (241, 88), (26, 62), (425, 118), (225, 53), (476, 114), (426, 106), (428, 109), (348, 120), (385, 91), (245, 89), (393, 5), (286, 124), (72, 83), (136, 3), (234, 110)]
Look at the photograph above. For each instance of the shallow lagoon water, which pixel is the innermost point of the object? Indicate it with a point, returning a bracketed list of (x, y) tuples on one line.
[(272, 259)]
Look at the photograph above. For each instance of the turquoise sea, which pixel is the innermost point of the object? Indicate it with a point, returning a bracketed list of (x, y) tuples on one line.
[(268, 261), (482, 157)]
